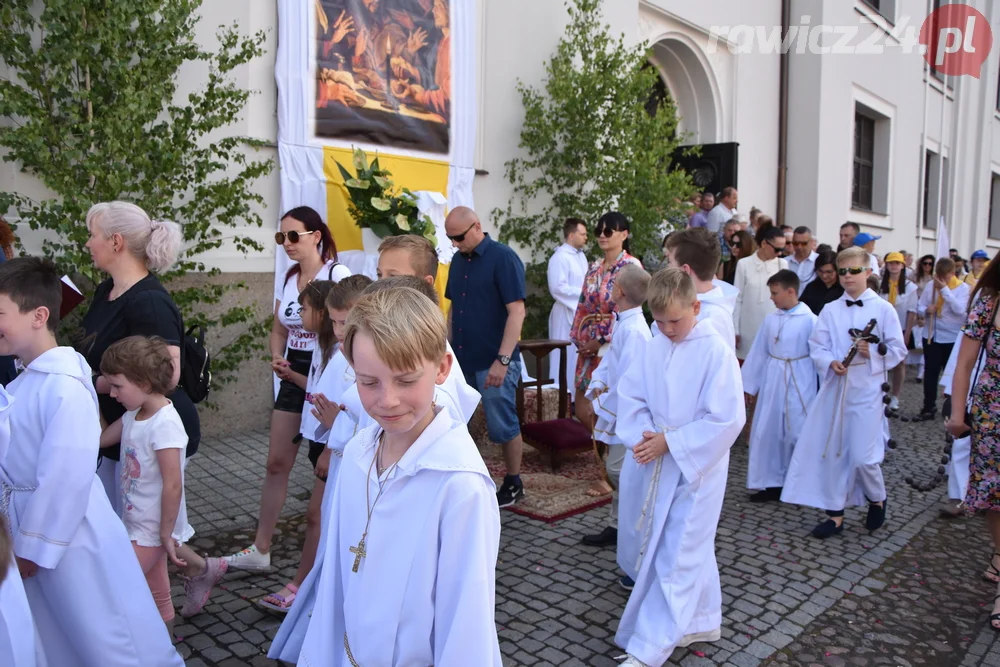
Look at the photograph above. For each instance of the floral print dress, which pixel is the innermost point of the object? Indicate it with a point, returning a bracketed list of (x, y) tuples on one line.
[(595, 313), (984, 463)]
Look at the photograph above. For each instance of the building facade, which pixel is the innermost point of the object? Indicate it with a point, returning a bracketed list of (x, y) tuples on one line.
[(869, 132)]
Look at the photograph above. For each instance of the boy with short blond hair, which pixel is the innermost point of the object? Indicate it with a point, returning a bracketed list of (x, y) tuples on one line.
[(680, 410), (414, 529), (629, 333), (836, 461), (407, 255)]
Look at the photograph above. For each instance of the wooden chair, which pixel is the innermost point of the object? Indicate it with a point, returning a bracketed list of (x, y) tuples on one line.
[(556, 437)]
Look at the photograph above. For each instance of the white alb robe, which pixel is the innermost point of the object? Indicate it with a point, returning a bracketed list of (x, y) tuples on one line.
[(781, 374), (717, 306), (753, 303), (845, 427), (566, 271), (628, 334), (19, 642), (961, 448), (693, 393), (89, 599), (424, 592)]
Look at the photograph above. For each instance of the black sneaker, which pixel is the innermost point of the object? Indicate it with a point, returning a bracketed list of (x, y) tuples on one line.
[(876, 515), (606, 538), (626, 583), (509, 494), (828, 528), (767, 495)]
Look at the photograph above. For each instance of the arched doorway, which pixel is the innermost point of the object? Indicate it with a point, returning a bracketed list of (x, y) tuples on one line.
[(690, 83)]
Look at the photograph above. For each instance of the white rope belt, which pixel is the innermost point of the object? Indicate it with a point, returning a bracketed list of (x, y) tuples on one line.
[(645, 523), (789, 374), (347, 647), (6, 491)]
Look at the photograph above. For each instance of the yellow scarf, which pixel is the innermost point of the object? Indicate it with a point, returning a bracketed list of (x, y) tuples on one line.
[(952, 284), (971, 278), (893, 291)]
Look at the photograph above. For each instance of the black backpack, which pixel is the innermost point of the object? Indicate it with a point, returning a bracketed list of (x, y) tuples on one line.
[(196, 365)]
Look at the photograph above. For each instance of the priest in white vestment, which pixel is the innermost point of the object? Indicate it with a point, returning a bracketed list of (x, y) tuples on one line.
[(779, 371), (63, 523), (566, 271), (753, 303), (682, 394), (837, 459)]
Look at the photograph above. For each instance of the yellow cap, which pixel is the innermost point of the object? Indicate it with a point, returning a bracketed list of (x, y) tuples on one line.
[(894, 257)]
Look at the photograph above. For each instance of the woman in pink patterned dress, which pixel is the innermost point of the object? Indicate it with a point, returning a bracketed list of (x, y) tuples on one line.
[(591, 330)]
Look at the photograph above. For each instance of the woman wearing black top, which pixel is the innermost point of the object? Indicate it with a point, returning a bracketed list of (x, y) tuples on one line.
[(127, 245), (826, 287)]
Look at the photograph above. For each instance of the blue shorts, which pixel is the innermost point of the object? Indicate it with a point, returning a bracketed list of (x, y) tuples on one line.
[(499, 403)]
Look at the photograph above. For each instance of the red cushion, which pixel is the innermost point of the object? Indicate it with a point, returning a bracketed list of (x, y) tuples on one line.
[(558, 434)]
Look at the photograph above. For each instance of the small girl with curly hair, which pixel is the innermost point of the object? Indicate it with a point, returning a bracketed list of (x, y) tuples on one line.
[(139, 371)]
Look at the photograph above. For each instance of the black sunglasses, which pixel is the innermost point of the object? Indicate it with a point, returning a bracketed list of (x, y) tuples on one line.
[(292, 236), (458, 238), (606, 232), (854, 271), (926, 263)]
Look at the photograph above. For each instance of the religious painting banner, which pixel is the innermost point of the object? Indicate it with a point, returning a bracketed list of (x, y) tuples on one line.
[(383, 73)]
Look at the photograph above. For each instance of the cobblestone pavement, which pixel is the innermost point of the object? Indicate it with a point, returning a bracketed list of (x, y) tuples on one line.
[(908, 595)]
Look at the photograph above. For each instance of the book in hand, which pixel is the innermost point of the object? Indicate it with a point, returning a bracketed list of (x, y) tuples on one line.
[(71, 297)]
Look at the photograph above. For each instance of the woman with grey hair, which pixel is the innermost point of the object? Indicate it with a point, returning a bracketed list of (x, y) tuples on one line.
[(131, 248)]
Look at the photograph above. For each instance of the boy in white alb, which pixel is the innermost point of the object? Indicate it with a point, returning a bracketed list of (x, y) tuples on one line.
[(19, 644), (779, 370), (680, 411), (414, 528), (836, 462), (629, 334), (696, 252), (71, 548)]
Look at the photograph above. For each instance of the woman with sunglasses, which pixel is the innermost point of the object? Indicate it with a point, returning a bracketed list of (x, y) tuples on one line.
[(754, 303), (826, 287), (741, 244), (307, 241), (595, 314)]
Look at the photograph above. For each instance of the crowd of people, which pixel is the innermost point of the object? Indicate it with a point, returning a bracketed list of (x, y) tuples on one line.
[(378, 381)]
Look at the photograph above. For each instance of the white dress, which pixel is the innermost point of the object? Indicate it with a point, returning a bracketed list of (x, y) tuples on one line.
[(566, 271), (753, 303), (845, 428), (424, 591), (19, 642), (628, 334), (780, 372), (692, 392), (90, 599)]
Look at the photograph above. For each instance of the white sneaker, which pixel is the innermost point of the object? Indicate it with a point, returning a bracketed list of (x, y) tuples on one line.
[(700, 637), (894, 403), (250, 559), (631, 661)]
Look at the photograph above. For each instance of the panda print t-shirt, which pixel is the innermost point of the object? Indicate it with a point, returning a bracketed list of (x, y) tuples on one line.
[(290, 310)]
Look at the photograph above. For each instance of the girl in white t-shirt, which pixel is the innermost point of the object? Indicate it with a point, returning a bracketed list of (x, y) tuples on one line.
[(140, 371)]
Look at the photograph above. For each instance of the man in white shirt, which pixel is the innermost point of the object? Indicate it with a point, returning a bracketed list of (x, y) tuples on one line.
[(724, 211), (567, 269), (803, 259), (944, 310)]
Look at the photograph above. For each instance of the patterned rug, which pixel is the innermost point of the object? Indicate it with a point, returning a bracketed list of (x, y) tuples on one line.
[(548, 496)]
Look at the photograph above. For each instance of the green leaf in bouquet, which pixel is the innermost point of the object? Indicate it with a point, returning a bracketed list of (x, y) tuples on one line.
[(357, 185), (360, 160), (383, 183), (431, 236), (343, 172), (381, 204), (381, 229), (403, 222)]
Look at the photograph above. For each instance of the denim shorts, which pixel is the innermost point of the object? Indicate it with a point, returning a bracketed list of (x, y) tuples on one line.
[(499, 403)]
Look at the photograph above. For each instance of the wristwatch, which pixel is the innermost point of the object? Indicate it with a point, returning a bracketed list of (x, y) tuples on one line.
[(504, 359)]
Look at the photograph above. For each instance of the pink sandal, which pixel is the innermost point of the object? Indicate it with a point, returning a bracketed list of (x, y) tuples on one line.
[(280, 603)]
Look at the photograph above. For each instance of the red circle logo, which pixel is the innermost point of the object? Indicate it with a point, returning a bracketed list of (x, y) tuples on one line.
[(958, 40)]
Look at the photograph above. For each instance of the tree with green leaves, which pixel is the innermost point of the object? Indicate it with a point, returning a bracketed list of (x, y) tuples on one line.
[(596, 138), (88, 106)]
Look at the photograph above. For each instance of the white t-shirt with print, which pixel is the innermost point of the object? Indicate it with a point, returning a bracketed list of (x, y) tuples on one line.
[(290, 311), (141, 481)]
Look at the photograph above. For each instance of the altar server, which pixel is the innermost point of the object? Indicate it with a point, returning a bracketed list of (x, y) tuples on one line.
[(414, 527), (695, 251), (71, 548), (566, 271), (836, 462), (680, 410), (779, 370), (629, 333), (19, 644)]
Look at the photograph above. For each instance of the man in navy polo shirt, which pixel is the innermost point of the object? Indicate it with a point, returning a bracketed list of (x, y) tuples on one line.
[(486, 288)]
